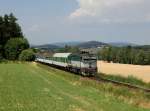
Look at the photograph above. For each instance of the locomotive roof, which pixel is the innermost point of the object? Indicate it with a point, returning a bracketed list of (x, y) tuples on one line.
[(65, 55)]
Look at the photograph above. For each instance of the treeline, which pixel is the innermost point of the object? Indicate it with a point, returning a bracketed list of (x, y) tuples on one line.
[(12, 41), (125, 55), (67, 48)]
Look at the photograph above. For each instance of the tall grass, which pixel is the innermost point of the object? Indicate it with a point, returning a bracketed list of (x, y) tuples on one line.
[(130, 79), (108, 88)]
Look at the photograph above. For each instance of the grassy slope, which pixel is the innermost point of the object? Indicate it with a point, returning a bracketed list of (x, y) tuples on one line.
[(32, 87), (129, 79)]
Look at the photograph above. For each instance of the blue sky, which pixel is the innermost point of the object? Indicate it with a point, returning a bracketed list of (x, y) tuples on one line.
[(48, 21)]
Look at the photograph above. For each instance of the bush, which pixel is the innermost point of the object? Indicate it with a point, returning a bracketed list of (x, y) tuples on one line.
[(27, 55), (14, 47), (1, 53), (1, 58)]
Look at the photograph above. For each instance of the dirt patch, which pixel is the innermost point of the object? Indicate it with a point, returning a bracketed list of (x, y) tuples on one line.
[(125, 70)]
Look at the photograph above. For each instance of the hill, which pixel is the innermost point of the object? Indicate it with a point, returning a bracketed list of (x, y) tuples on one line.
[(46, 46), (88, 44), (143, 47), (36, 87), (91, 44), (63, 44), (121, 44)]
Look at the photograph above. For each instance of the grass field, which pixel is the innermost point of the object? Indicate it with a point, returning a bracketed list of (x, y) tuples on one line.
[(35, 87)]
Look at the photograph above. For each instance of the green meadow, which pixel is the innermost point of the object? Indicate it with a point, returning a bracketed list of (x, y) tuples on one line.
[(36, 87)]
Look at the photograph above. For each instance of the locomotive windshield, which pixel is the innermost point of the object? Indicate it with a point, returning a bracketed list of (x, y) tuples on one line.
[(90, 61)]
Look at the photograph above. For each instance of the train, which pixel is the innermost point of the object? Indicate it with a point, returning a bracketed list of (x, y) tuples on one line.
[(83, 64)]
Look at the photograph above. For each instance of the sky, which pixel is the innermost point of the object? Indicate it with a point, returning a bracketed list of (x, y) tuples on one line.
[(50, 21)]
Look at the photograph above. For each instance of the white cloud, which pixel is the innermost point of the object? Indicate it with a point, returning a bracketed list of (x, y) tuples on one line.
[(112, 10)]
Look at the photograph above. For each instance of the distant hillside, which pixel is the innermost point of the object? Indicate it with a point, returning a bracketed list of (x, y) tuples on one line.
[(62, 44), (121, 44), (46, 46), (91, 44), (143, 47)]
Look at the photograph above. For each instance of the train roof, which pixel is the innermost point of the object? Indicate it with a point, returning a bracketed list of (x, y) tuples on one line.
[(64, 55)]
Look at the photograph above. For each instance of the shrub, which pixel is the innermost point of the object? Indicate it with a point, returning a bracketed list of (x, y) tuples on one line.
[(14, 47), (1, 57), (1, 53), (27, 55)]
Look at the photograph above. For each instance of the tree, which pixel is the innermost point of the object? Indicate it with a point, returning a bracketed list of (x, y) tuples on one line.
[(27, 55), (15, 29), (14, 47), (1, 52), (139, 58), (9, 28), (1, 35), (119, 56), (127, 55), (105, 54), (67, 48), (74, 49), (1, 30), (148, 59)]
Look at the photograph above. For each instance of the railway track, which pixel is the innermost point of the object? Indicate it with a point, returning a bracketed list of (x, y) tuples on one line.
[(100, 79)]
